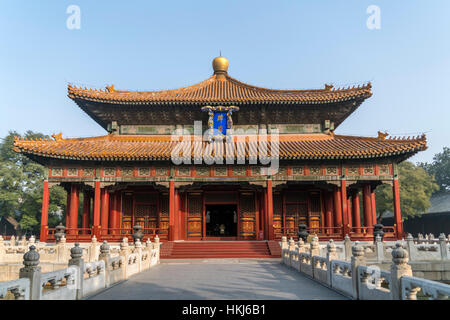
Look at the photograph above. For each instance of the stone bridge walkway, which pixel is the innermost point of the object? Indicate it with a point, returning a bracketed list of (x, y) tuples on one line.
[(219, 279)]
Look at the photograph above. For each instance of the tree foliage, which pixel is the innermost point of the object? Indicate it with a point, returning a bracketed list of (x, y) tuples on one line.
[(440, 169), (416, 187), (21, 183)]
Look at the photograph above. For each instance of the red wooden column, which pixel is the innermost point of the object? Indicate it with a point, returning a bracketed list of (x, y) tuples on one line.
[(73, 218), (367, 204), (356, 212), (349, 212), (68, 209), (44, 212), (270, 210), (264, 214), (86, 217), (176, 215), (96, 218), (171, 210), (337, 208), (374, 207), (345, 223), (329, 212), (397, 212), (104, 211), (113, 213)]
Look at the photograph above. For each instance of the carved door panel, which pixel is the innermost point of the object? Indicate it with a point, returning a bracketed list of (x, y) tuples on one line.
[(247, 216), (145, 216), (296, 213), (315, 210), (194, 219), (164, 216), (127, 213), (277, 214)]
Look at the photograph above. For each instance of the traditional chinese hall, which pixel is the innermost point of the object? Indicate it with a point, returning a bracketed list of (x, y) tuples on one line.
[(128, 177)]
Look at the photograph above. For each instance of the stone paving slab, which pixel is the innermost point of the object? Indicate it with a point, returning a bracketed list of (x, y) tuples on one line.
[(219, 279)]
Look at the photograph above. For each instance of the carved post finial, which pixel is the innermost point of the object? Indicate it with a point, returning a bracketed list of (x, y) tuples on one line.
[(400, 255), (104, 248), (31, 259), (331, 247), (357, 250), (76, 252)]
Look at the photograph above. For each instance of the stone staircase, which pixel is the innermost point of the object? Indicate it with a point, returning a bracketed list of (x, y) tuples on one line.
[(219, 249)]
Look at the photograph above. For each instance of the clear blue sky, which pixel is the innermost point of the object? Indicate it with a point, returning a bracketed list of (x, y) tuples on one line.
[(146, 45)]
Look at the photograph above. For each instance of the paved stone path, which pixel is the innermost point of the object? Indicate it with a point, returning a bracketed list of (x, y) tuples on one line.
[(219, 279)]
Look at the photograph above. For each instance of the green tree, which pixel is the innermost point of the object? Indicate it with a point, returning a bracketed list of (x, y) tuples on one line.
[(21, 183), (416, 187), (440, 169)]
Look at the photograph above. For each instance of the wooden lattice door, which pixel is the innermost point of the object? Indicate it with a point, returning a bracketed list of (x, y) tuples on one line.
[(277, 214), (247, 216), (296, 212), (127, 213), (146, 216), (315, 210), (164, 216), (194, 216)]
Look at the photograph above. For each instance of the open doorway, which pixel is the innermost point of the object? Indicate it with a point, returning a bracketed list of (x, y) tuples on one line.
[(221, 220)]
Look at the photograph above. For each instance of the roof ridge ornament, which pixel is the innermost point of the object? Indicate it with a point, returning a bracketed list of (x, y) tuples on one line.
[(58, 137), (220, 66), (382, 135), (110, 89)]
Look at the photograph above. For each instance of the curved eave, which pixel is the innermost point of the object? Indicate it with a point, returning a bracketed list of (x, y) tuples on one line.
[(407, 154)]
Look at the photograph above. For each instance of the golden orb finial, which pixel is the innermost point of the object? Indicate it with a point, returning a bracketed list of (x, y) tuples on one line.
[(220, 65)]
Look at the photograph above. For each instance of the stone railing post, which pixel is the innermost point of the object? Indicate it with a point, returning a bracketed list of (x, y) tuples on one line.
[(410, 247), (284, 243), (331, 255), (76, 255), (314, 248), (12, 241), (357, 260), (32, 240), (23, 241), (32, 271), (443, 246), (62, 251), (138, 246), (2, 250), (379, 248), (301, 246), (93, 249), (291, 249), (347, 247), (124, 254), (106, 257), (156, 245), (399, 268)]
